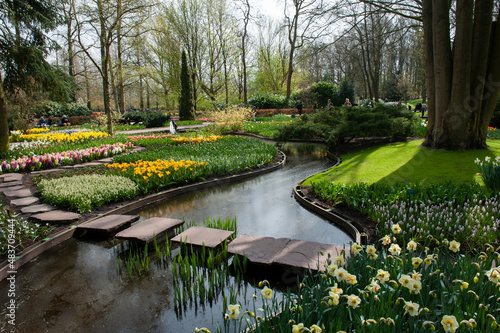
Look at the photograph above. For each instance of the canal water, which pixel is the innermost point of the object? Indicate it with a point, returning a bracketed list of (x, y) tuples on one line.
[(76, 285)]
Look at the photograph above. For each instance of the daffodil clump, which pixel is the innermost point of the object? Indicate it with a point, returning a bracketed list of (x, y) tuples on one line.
[(391, 287), (152, 175), (84, 192), (70, 136), (38, 130), (490, 171)]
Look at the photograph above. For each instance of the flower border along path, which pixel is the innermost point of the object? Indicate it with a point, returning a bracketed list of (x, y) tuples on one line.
[(38, 248)]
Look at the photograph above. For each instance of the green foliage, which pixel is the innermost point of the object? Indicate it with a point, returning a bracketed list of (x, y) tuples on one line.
[(56, 109), (155, 119), (490, 172), (186, 100), (133, 117), (390, 89), (345, 90), (82, 193), (270, 101), (319, 93)]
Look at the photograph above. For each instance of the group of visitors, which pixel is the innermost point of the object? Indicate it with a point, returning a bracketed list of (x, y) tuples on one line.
[(42, 123)]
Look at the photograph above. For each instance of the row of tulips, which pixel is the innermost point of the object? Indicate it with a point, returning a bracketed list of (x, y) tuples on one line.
[(47, 161), (71, 136)]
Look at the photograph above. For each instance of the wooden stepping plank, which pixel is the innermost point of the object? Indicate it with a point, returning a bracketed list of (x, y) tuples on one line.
[(26, 201), (108, 225), (258, 249), (56, 216), (11, 188), (11, 184), (201, 236), (304, 254), (18, 193), (33, 209), (11, 177), (146, 231)]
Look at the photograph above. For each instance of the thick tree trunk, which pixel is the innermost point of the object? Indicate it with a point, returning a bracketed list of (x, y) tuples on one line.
[(4, 125)]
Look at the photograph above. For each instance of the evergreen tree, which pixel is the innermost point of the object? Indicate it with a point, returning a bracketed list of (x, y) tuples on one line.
[(186, 102)]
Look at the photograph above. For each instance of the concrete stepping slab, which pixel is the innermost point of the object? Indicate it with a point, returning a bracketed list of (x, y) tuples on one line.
[(34, 209), (304, 254), (146, 231), (107, 225), (18, 193), (10, 184), (258, 249), (26, 201), (106, 160), (11, 177), (56, 216), (45, 171), (84, 165), (202, 236), (11, 188)]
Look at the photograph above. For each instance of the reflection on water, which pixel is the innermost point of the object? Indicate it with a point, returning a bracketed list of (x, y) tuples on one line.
[(76, 286)]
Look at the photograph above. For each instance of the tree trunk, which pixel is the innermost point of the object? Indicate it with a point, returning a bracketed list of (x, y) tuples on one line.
[(4, 125), (120, 90)]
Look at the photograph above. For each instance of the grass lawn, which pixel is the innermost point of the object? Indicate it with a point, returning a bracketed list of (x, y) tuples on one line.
[(406, 162)]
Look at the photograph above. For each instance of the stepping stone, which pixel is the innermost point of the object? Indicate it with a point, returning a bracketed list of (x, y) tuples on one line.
[(84, 165), (37, 209), (45, 171), (56, 216), (304, 254), (9, 184), (146, 231), (106, 160), (107, 225), (258, 249), (11, 188), (18, 193), (26, 201), (201, 236), (11, 177)]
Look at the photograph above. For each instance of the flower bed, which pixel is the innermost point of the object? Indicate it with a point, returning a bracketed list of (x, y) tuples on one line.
[(68, 136), (47, 161)]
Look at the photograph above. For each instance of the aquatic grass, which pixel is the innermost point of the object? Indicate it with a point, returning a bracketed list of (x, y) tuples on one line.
[(84, 192)]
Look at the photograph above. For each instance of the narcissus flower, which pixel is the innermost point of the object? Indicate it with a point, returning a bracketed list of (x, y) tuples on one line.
[(298, 328), (454, 246), (353, 301), (373, 287), (315, 329), (351, 279), (395, 249), (356, 248), (416, 262), (449, 323), (267, 293), (493, 275), (405, 280), (396, 229), (382, 275), (234, 311), (411, 308), (370, 249), (333, 299), (386, 240), (341, 274), (411, 246)]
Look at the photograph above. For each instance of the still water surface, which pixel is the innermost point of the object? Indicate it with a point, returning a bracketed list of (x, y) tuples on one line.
[(75, 287)]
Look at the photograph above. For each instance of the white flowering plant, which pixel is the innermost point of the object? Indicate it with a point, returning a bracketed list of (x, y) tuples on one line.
[(490, 171)]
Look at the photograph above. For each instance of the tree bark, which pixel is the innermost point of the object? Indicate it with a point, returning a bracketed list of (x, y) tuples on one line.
[(4, 125)]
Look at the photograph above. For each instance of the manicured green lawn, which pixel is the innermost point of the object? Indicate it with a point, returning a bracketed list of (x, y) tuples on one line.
[(407, 162)]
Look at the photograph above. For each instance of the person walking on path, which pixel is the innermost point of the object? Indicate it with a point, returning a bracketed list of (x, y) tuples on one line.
[(299, 108)]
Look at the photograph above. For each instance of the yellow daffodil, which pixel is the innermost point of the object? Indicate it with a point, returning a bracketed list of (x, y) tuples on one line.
[(298, 328), (405, 280), (415, 286), (429, 259), (339, 261), (333, 298), (351, 279), (416, 262), (454, 246), (356, 248), (493, 275), (416, 276), (267, 293), (330, 269), (315, 329), (373, 287)]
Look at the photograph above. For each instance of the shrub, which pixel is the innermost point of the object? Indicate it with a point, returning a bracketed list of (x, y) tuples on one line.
[(345, 90), (155, 119), (56, 109), (269, 101), (133, 117)]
